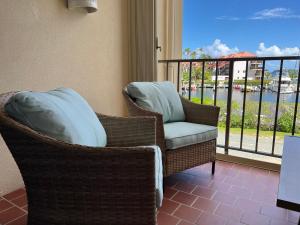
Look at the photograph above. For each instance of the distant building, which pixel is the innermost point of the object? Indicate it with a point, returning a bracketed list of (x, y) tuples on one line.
[(276, 73), (239, 69)]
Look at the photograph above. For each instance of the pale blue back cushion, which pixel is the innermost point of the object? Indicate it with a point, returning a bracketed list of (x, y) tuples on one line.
[(160, 97), (62, 114)]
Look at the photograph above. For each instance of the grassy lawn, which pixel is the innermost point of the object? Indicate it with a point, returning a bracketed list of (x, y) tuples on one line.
[(252, 132)]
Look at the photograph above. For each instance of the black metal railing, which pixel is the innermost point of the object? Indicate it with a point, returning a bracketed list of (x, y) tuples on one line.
[(230, 62)]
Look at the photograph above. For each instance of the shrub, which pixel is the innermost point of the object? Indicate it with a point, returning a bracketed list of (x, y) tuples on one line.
[(266, 124), (250, 120), (236, 121), (285, 122), (285, 119)]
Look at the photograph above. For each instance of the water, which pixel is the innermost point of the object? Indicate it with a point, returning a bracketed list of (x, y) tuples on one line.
[(238, 96), (249, 139)]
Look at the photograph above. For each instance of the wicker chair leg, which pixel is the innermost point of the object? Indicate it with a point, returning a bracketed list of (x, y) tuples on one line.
[(213, 167)]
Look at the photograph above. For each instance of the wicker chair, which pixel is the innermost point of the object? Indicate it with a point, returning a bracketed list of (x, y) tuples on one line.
[(72, 184), (177, 160)]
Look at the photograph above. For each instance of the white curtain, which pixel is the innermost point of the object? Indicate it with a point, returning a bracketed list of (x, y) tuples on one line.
[(145, 16), (142, 49)]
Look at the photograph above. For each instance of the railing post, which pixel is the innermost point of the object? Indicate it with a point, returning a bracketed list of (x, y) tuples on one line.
[(244, 104), (202, 81), (229, 100), (178, 76), (190, 79), (277, 106), (260, 104), (296, 103), (216, 83)]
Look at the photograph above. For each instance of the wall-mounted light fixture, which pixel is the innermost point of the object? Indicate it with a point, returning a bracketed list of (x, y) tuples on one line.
[(90, 5)]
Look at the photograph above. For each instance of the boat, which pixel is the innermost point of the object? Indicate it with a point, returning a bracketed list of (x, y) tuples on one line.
[(286, 86), (237, 86), (205, 85), (186, 86), (193, 86), (250, 89), (256, 88)]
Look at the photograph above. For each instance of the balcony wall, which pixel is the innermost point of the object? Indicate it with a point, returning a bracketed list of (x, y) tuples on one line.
[(44, 45)]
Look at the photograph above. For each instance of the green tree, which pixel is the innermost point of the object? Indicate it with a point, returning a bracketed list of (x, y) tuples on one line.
[(187, 53), (195, 54), (208, 75), (185, 76), (268, 75), (293, 73), (197, 73)]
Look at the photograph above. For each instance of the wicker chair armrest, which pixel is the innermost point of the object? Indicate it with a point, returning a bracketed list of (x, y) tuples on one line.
[(202, 114), (115, 185), (135, 110), (129, 131)]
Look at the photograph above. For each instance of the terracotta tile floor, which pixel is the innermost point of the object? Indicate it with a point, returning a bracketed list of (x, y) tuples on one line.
[(235, 195), (13, 208)]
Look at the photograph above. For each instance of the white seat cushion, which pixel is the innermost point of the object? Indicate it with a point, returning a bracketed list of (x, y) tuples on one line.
[(158, 175), (180, 134)]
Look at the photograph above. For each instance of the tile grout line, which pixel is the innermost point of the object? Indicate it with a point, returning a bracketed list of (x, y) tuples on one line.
[(15, 197), (7, 209), (15, 219), (193, 207), (14, 205), (172, 214), (20, 207)]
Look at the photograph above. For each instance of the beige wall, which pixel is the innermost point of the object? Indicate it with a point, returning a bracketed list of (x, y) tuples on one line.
[(43, 45)]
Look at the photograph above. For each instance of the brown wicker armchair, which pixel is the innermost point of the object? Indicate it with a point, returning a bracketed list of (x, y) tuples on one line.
[(183, 158), (71, 184)]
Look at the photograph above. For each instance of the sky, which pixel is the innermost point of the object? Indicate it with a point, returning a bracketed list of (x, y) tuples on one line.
[(222, 27)]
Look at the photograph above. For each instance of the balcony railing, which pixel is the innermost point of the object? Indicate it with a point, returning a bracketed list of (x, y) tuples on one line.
[(187, 66)]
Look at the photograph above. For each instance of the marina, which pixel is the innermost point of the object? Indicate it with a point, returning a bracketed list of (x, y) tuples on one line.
[(237, 95), (286, 86), (288, 89)]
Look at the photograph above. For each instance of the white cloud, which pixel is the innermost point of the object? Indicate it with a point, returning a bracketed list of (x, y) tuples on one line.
[(276, 51), (218, 49), (230, 18), (275, 13)]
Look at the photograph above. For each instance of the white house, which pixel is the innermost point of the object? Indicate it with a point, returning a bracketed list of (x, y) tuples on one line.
[(239, 69)]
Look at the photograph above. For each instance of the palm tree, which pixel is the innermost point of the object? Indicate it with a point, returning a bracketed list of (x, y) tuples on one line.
[(186, 53)]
